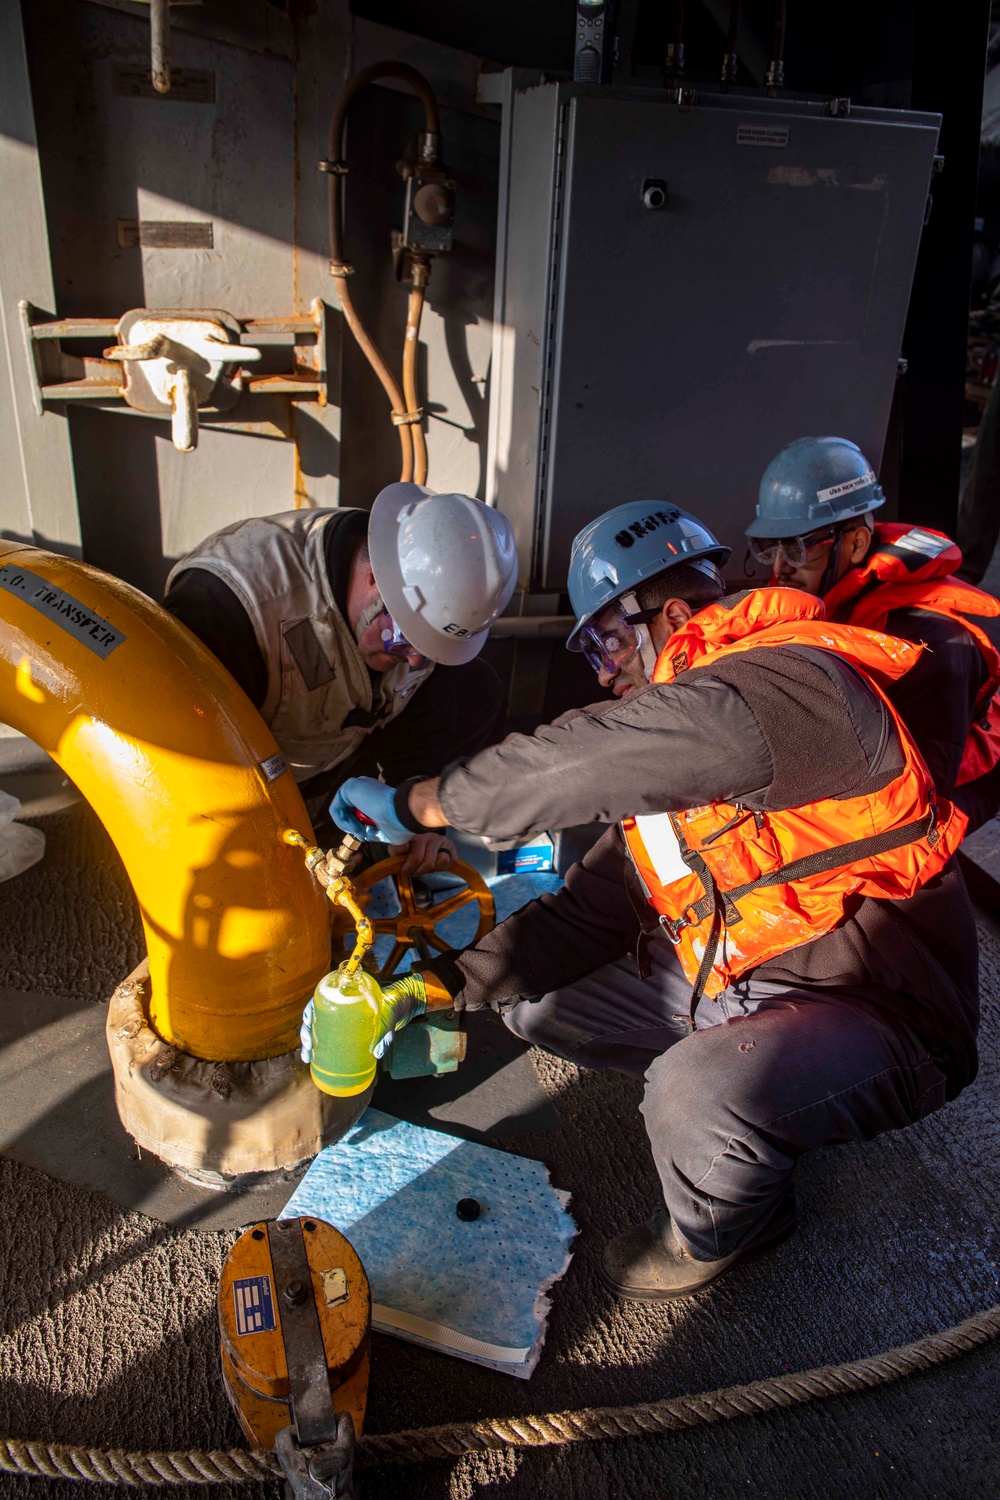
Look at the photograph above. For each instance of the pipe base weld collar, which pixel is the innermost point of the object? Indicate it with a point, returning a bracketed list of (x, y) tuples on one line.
[(217, 1120)]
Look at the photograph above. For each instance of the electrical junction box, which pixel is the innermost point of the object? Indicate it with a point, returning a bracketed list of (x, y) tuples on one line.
[(684, 287)]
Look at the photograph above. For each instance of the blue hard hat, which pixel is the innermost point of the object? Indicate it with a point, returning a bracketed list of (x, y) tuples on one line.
[(811, 483), (629, 544)]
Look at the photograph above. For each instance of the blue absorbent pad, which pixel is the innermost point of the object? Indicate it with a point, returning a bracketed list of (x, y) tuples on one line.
[(477, 1290)]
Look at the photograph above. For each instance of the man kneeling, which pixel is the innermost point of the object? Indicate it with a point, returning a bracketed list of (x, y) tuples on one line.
[(773, 935)]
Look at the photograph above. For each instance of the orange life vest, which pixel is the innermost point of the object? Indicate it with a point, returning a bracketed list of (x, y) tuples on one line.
[(733, 886), (910, 567)]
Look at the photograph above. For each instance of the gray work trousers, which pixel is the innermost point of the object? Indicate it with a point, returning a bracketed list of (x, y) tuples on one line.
[(770, 1072)]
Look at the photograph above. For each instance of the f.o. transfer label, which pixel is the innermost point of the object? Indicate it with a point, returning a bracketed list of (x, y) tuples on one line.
[(77, 619)]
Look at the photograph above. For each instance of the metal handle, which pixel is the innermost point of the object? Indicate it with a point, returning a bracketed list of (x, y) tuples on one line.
[(243, 353), (154, 348), (186, 362), (164, 347), (184, 412)]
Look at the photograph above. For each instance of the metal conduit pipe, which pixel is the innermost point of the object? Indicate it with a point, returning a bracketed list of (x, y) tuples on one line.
[(776, 67), (675, 47), (730, 58), (159, 27), (177, 764), (532, 627), (404, 407)]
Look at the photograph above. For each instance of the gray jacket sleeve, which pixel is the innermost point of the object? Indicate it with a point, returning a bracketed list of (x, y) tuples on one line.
[(665, 748), (801, 725)]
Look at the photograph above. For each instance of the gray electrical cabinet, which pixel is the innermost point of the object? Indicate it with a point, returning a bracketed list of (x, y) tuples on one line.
[(682, 288)]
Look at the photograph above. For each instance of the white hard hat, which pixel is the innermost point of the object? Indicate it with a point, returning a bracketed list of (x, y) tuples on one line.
[(445, 566)]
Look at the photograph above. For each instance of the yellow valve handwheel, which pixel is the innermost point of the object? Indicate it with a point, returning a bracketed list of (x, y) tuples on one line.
[(415, 926)]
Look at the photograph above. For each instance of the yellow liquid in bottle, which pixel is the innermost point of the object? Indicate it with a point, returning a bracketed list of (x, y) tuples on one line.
[(344, 1030)]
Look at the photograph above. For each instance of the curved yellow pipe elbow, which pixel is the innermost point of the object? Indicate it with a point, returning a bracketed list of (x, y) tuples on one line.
[(177, 764)]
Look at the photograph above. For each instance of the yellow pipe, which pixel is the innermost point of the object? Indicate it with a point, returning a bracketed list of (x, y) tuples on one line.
[(172, 757)]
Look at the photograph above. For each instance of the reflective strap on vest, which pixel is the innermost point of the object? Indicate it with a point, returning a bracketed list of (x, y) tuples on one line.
[(722, 905)]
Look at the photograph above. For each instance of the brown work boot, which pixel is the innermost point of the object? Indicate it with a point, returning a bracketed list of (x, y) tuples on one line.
[(650, 1264)]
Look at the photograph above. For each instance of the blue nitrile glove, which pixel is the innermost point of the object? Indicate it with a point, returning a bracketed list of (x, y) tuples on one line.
[(363, 794), (402, 1000)]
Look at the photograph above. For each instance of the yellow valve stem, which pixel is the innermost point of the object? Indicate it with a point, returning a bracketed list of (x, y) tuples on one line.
[(341, 892)]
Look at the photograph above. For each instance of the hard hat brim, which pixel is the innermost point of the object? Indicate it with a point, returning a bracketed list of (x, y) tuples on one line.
[(774, 526), (383, 551), (718, 555)]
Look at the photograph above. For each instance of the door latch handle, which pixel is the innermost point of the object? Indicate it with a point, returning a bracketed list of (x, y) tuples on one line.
[(204, 357)]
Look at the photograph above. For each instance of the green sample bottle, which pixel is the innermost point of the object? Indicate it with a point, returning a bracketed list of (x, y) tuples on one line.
[(344, 1031)]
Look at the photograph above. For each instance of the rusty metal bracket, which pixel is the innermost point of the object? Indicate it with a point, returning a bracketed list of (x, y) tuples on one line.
[(59, 375), (308, 332)]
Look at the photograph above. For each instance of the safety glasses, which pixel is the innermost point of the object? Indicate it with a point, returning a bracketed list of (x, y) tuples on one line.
[(394, 642), (794, 549), (610, 640)]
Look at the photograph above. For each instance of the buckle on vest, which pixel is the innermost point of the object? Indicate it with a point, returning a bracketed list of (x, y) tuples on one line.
[(673, 929)]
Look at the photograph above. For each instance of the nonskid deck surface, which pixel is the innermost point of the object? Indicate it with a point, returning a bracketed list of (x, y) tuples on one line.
[(102, 1306)]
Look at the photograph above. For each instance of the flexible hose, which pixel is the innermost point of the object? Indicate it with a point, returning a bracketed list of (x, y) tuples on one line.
[(403, 409), (592, 1424), (411, 344), (374, 357), (405, 74)]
